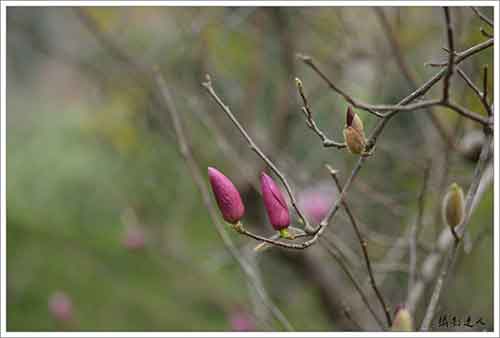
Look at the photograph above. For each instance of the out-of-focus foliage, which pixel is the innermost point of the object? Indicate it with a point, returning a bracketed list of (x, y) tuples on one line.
[(91, 154)]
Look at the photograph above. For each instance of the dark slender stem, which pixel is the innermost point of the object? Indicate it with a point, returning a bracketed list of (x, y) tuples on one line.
[(466, 53), (485, 33), (186, 153), (403, 104), (208, 86), (363, 243), (416, 229), (347, 314), (451, 55), (460, 229), (484, 97), (335, 252), (445, 269), (310, 121), (409, 75), (483, 17)]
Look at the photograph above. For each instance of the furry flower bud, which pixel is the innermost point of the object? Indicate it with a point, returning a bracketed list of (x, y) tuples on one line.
[(275, 204), (354, 134), (227, 196), (403, 321), (454, 206)]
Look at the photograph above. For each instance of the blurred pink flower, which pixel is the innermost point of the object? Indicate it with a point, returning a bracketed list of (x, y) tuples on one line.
[(275, 203), (134, 238), (315, 202), (61, 306), (241, 320), (227, 196)]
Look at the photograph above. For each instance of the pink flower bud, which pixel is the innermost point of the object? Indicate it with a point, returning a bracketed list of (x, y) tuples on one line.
[(316, 202), (60, 306), (277, 210), (227, 196)]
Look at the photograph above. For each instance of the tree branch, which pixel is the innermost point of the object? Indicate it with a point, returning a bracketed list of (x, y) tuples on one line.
[(310, 121), (364, 245), (208, 86), (483, 17), (200, 183)]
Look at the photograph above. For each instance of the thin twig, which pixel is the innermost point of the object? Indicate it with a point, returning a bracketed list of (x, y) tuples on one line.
[(363, 243), (336, 254), (482, 17), (409, 75), (484, 97), (431, 309), (415, 230), (403, 105), (451, 55), (310, 121), (200, 182), (460, 229), (208, 86), (347, 313), (485, 33), (464, 54)]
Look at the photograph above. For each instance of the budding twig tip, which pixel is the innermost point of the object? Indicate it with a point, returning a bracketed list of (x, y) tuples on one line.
[(304, 58), (298, 82)]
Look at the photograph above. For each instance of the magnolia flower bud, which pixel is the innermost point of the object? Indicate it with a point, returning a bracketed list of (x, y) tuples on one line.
[(403, 320), (354, 133), (353, 120), (60, 306), (454, 206), (227, 196), (276, 207)]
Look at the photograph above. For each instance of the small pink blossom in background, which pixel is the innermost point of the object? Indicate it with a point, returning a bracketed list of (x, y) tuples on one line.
[(240, 320), (134, 238), (61, 306), (316, 201)]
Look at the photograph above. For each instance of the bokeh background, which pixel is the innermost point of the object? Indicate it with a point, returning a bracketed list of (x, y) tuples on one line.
[(106, 229)]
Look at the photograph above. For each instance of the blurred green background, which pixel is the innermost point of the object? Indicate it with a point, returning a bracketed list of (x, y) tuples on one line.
[(92, 161)]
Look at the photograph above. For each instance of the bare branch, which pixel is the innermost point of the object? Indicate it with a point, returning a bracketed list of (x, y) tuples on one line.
[(483, 17), (415, 230), (451, 55), (310, 121), (198, 179), (335, 253), (444, 242), (408, 73), (445, 269), (484, 97), (466, 53), (485, 33), (208, 86), (364, 245)]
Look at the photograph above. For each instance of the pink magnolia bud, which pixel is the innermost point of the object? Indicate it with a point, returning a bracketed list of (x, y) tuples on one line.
[(316, 202), (227, 196), (277, 210), (60, 306)]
